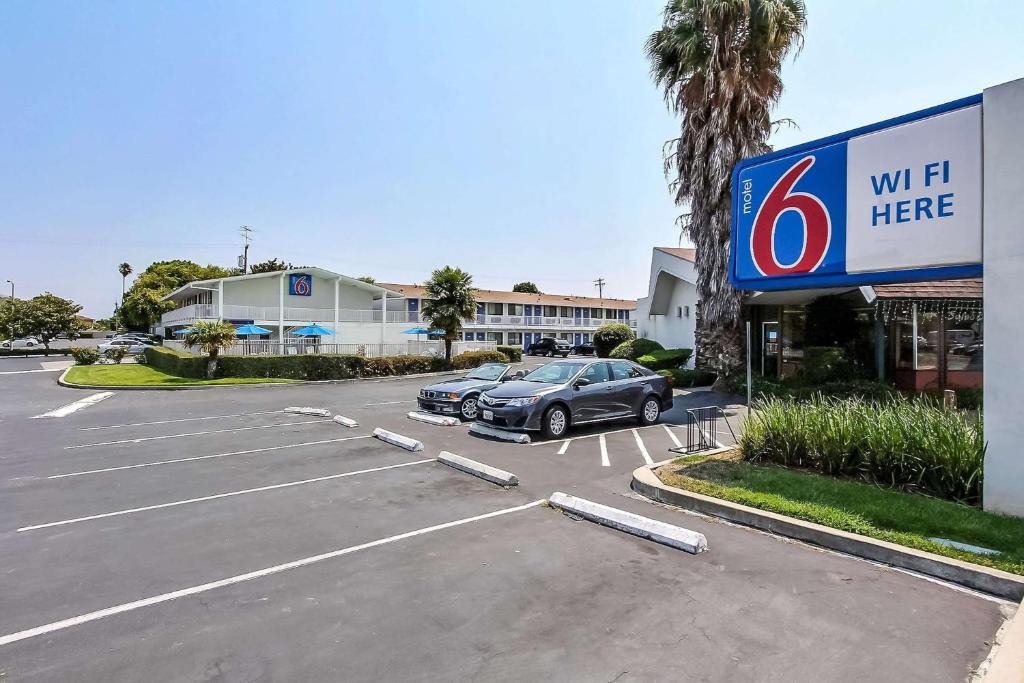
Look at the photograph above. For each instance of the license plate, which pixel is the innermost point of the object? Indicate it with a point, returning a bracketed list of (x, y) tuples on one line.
[(488, 414)]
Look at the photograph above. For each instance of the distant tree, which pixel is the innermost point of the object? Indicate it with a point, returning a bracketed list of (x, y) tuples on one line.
[(449, 302), (719, 65), (269, 266), (48, 315), (526, 288), (367, 279), (13, 317), (125, 269), (210, 337), (142, 305)]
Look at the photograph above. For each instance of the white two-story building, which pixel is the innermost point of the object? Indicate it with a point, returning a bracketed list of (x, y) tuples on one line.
[(360, 313)]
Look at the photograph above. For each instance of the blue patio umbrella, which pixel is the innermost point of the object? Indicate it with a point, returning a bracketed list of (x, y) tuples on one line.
[(251, 329), (184, 330), (421, 330), (313, 330)]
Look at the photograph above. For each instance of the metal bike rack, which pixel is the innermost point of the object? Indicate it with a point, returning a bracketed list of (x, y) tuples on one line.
[(702, 428)]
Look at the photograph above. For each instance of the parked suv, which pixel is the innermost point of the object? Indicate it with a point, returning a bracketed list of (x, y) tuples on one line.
[(549, 346)]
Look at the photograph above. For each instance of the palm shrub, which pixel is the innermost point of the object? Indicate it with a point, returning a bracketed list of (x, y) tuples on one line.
[(609, 336), (211, 337), (450, 301)]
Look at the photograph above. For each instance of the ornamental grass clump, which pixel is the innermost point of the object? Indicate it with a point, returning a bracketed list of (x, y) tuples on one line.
[(908, 444)]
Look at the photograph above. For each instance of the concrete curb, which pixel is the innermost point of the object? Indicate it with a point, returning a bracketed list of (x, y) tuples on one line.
[(652, 529), (993, 581), (345, 421), (198, 387), (487, 430), (306, 410), (439, 420), (398, 440), (1007, 659), (478, 469)]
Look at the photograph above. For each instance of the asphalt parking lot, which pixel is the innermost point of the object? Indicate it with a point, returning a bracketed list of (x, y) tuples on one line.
[(206, 535)]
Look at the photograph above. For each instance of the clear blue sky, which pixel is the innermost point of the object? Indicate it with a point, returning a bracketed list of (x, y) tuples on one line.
[(518, 140)]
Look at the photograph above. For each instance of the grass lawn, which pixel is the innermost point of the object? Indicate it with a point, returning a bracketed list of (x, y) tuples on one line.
[(134, 375), (888, 515)]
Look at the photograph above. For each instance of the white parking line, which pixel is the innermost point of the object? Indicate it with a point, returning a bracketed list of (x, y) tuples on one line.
[(183, 419), (565, 447), (64, 411), (207, 457), (643, 449), (25, 372), (604, 452), (673, 437), (202, 588), (178, 436), (220, 495)]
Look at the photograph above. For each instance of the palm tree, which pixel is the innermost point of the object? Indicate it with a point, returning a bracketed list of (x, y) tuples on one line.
[(450, 301), (718, 63), (125, 269), (211, 337)]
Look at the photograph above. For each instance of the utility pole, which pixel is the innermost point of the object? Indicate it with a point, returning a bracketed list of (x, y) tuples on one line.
[(599, 283), (244, 231), (10, 327)]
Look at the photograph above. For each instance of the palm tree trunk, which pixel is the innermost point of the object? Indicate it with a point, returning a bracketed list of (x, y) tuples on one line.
[(211, 364), (448, 350)]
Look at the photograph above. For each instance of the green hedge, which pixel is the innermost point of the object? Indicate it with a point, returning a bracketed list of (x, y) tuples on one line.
[(667, 359), (634, 348), (609, 336), (683, 378), (513, 353), (175, 362), (473, 359), (914, 445)]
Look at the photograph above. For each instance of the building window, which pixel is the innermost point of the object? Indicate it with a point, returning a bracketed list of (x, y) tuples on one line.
[(515, 309), (679, 311), (494, 309), (550, 311), (565, 336), (595, 312), (565, 311), (515, 338), (494, 337)]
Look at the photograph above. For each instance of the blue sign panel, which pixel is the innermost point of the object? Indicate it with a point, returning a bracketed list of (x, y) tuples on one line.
[(300, 284), (898, 201)]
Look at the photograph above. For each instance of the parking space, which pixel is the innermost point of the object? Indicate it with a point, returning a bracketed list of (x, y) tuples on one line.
[(208, 535)]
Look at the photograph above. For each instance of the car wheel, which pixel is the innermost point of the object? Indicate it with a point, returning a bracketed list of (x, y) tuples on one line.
[(565, 355), (467, 409), (556, 422), (649, 411)]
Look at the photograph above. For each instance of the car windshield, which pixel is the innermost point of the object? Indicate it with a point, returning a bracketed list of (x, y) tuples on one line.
[(490, 371), (555, 373)]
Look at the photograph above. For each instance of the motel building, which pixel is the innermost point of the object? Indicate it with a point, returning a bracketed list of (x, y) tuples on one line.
[(519, 319), (374, 319)]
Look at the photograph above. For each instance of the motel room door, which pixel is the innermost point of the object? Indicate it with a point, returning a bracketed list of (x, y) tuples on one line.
[(770, 349)]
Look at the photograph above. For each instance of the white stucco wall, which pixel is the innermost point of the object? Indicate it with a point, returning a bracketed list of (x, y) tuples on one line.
[(1003, 239), (670, 288)]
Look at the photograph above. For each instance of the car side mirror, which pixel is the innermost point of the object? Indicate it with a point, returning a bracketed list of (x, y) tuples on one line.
[(581, 382)]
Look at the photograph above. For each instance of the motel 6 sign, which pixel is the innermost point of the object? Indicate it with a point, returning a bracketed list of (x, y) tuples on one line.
[(897, 201)]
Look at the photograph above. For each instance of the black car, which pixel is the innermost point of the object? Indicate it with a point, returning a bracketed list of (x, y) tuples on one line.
[(549, 346), (573, 392), (584, 349), (459, 396)]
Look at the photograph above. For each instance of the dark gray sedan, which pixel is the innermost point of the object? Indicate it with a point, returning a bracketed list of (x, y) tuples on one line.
[(574, 392), (459, 396)]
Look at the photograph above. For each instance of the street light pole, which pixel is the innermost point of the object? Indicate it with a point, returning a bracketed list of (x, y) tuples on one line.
[(10, 326)]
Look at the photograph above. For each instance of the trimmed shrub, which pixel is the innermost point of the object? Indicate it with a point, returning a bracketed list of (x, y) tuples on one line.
[(312, 367), (401, 365), (513, 353), (667, 359), (85, 355), (908, 444), (632, 349), (116, 354), (609, 336), (175, 362), (473, 359), (683, 378)]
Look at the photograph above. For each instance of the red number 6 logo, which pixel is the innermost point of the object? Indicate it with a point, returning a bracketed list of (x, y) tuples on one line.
[(816, 222), (302, 286)]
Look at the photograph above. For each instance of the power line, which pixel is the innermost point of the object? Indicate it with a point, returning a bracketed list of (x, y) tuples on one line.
[(599, 283), (245, 231)]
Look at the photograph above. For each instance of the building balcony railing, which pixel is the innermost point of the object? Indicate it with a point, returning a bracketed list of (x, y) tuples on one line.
[(270, 314), (506, 321)]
